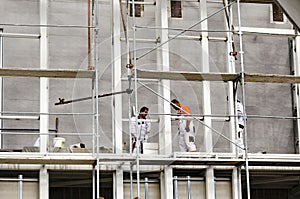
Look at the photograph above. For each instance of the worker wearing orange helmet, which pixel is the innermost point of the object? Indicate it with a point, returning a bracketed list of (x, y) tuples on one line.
[(185, 127)]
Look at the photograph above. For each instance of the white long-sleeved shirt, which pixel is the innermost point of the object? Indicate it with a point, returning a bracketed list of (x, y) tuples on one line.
[(143, 128), (240, 113)]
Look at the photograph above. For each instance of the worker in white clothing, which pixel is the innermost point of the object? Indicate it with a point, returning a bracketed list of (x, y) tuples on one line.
[(139, 130), (185, 127), (241, 125)]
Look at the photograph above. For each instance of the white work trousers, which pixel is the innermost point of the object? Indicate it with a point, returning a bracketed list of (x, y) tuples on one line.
[(240, 140), (187, 141)]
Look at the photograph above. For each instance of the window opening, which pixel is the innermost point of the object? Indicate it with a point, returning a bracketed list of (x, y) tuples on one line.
[(138, 8), (277, 14), (176, 9)]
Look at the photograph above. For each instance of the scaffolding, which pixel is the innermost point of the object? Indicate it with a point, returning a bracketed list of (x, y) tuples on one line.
[(166, 160)]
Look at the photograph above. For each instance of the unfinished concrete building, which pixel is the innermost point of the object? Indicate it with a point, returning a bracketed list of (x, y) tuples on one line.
[(74, 72)]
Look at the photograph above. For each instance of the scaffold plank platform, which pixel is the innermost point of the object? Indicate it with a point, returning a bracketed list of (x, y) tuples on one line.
[(50, 73), (225, 77), (256, 1)]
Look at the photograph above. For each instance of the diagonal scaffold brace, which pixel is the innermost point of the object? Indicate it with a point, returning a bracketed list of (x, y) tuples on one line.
[(62, 101)]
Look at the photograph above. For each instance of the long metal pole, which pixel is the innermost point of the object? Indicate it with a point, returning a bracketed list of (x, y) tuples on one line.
[(188, 179), (89, 34), (20, 186), (136, 101), (243, 97), (94, 183), (97, 93), (146, 189), (296, 60), (1, 87), (45, 25), (131, 181), (129, 97), (175, 184)]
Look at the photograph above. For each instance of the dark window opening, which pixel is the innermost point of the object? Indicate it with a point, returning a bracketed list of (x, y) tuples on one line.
[(138, 8), (176, 9), (78, 184), (277, 13)]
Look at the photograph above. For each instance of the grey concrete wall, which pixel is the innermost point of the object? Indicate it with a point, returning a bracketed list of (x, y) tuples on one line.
[(68, 50)]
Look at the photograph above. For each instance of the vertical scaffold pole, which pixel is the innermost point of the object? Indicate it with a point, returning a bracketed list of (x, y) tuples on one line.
[(20, 186), (96, 116), (188, 183), (136, 102), (1, 88), (175, 184), (296, 54), (243, 96), (146, 188), (129, 73)]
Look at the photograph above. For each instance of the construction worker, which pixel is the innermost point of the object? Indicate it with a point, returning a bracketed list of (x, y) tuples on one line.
[(185, 127), (140, 129), (241, 124)]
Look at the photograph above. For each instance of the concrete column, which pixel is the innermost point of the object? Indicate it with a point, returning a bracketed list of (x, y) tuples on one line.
[(44, 82), (236, 183), (116, 76), (206, 84), (165, 134), (210, 184), (166, 183), (44, 183), (118, 182)]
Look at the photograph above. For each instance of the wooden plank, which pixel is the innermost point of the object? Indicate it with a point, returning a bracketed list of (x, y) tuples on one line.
[(50, 73), (271, 78), (187, 76), (256, 1), (197, 76)]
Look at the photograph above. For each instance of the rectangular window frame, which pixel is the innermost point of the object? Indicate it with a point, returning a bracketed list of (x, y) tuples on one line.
[(176, 12), (272, 15), (138, 8)]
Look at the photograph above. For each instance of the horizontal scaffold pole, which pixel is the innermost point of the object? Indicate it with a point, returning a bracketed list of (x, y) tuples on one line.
[(225, 77)]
